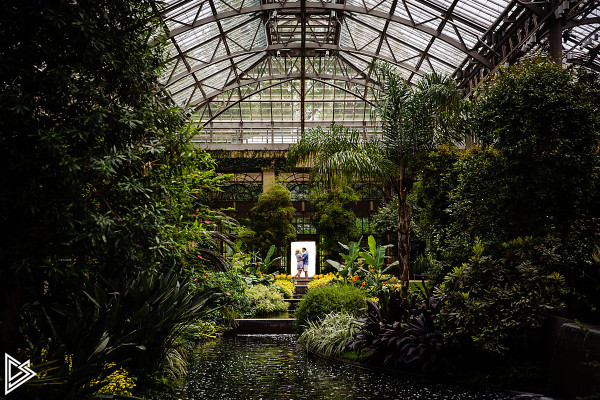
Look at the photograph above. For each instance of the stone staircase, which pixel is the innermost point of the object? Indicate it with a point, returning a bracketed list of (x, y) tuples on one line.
[(256, 326)]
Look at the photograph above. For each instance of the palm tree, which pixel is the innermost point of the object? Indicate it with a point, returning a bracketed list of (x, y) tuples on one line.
[(339, 156), (414, 121)]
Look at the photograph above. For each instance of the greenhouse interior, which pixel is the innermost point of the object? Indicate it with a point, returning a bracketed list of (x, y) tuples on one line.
[(300, 199)]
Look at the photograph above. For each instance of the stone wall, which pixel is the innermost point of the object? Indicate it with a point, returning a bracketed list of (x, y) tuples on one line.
[(575, 362)]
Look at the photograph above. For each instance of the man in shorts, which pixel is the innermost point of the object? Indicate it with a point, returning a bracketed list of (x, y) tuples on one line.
[(305, 261)]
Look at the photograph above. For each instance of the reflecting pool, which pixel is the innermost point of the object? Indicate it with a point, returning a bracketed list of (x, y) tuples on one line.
[(272, 367)]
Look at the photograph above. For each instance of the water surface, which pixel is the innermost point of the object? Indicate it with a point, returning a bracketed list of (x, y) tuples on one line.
[(270, 367)]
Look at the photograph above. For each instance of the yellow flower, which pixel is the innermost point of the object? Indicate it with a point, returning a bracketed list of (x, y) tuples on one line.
[(118, 382)]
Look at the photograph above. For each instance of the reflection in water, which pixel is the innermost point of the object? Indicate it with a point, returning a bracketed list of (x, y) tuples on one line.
[(273, 367)]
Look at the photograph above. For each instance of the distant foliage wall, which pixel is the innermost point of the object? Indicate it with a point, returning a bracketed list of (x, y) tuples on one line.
[(334, 219)]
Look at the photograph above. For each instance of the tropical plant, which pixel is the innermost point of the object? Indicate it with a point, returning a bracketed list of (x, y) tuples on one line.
[(414, 122), (330, 335), (256, 269), (129, 322), (350, 265), (338, 155), (203, 234), (491, 304), (320, 301), (373, 270), (409, 342), (370, 266)]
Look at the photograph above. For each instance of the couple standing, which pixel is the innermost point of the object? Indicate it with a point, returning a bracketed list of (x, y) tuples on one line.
[(301, 263)]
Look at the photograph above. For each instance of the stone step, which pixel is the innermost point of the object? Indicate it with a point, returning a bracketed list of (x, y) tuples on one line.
[(300, 290), (293, 303), (303, 281), (256, 326)]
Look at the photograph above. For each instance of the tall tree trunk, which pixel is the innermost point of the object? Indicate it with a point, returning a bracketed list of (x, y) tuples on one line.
[(403, 225)]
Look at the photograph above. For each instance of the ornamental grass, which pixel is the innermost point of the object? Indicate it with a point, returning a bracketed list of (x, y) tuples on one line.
[(329, 335)]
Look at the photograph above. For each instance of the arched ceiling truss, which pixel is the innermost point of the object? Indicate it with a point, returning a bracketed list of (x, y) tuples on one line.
[(565, 30), (266, 70)]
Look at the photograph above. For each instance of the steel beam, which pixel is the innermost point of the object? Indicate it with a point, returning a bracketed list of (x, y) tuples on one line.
[(296, 46), (288, 6), (268, 78)]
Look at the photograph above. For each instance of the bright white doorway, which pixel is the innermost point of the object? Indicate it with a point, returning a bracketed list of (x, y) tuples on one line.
[(311, 248)]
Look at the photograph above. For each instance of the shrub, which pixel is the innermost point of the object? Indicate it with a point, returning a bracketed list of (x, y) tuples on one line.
[(230, 293), (330, 335), (433, 239), (320, 301), (264, 300), (285, 287), (333, 219), (490, 304), (271, 221)]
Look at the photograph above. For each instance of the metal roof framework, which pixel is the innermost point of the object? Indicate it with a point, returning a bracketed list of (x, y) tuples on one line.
[(264, 71)]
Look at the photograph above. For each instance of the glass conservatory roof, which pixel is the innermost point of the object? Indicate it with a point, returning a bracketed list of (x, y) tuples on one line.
[(263, 71)]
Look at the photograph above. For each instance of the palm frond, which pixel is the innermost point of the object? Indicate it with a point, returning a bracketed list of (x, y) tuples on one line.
[(339, 156), (417, 119)]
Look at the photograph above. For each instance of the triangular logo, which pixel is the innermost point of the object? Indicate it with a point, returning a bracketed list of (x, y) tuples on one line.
[(15, 373)]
